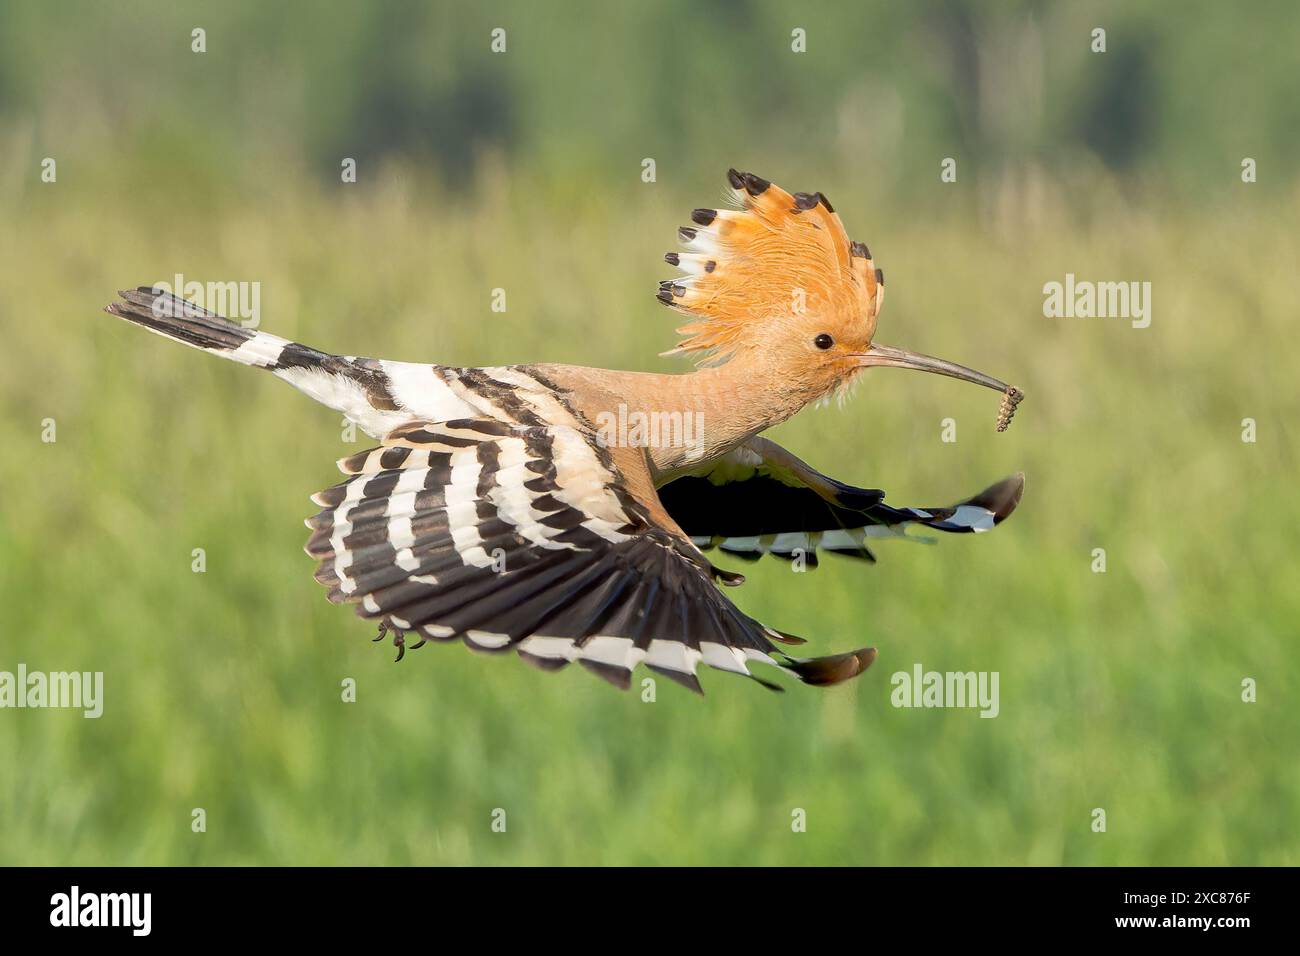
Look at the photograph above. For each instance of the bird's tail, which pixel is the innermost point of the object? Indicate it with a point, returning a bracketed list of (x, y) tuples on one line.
[(183, 321), (357, 387)]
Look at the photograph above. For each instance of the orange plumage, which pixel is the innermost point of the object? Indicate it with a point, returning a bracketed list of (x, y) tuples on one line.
[(778, 257)]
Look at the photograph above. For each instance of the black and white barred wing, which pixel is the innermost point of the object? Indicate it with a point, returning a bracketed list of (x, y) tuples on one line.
[(760, 499), (525, 539)]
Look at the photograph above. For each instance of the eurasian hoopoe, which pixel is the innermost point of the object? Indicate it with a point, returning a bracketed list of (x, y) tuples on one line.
[(542, 509)]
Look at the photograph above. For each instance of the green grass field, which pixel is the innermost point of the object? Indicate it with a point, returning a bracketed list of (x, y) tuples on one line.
[(1119, 690)]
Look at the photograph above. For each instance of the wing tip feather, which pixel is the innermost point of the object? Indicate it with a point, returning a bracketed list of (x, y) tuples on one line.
[(828, 671)]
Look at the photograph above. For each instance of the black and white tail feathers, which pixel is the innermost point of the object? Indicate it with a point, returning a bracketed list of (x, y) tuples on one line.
[(377, 395), (193, 325)]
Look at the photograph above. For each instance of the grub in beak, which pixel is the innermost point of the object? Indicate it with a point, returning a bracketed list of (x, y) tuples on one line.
[(886, 355)]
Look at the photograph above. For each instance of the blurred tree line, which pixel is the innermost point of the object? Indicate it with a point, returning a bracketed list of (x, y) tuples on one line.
[(1182, 93)]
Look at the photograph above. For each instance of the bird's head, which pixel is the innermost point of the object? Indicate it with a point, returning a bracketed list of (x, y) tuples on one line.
[(779, 281)]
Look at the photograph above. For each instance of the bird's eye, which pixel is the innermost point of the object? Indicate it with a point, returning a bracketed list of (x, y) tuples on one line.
[(823, 341)]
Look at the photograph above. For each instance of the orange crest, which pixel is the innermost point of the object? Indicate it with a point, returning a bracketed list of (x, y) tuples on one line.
[(779, 257)]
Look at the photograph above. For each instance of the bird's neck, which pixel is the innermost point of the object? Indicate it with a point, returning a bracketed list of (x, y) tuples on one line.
[(686, 420)]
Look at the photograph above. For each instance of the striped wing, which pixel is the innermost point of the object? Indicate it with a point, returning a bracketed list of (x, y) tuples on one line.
[(527, 539), (760, 499)]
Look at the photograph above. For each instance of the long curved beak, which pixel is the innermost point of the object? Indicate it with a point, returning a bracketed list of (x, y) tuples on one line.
[(901, 358)]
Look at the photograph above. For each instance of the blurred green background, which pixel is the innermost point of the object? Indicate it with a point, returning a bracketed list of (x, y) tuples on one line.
[(522, 170)]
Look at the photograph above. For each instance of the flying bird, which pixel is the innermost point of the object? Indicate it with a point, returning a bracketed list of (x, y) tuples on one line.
[(564, 513)]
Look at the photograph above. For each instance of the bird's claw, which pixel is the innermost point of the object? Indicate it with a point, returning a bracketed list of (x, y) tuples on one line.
[(399, 639)]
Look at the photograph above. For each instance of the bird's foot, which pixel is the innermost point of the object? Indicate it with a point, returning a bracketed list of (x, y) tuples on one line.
[(399, 639)]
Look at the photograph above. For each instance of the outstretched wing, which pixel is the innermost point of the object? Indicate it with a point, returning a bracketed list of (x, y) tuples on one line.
[(760, 499), (529, 539), (743, 266)]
